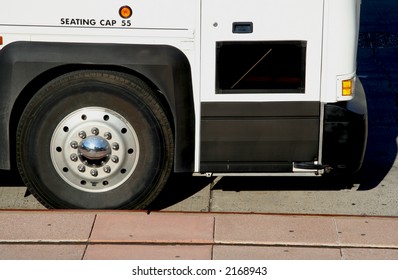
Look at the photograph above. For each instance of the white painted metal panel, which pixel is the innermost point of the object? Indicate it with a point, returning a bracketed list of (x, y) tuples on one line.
[(341, 29), (149, 15), (282, 20)]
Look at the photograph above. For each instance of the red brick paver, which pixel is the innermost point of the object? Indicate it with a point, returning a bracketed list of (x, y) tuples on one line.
[(154, 228), (118, 235)]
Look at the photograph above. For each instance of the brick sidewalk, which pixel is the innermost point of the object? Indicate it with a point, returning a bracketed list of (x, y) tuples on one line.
[(76, 235)]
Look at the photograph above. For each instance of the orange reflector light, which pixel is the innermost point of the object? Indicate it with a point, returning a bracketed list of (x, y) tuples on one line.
[(1, 40), (347, 87), (125, 12)]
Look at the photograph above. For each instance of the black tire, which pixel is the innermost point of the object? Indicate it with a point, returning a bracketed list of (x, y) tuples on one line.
[(95, 140)]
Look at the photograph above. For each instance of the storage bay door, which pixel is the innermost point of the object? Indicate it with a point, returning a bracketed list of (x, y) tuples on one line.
[(260, 84)]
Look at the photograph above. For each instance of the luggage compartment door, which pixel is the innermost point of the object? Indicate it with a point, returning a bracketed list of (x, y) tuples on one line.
[(260, 84)]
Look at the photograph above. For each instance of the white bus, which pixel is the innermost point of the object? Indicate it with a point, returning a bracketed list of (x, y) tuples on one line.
[(101, 100)]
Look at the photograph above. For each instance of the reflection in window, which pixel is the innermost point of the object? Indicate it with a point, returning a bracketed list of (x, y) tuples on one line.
[(261, 67)]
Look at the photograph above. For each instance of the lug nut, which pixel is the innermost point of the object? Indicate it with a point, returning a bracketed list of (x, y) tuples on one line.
[(107, 169), (95, 131), (82, 134), (81, 168), (74, 157), (108, 135), (115, 159), (94, 172), (115, 146), (74, 144)]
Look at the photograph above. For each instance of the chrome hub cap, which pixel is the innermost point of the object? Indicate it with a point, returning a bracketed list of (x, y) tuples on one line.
[(94, 149)]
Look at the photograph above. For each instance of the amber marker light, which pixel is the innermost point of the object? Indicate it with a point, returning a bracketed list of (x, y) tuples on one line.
[(347, 87), (125, 12)]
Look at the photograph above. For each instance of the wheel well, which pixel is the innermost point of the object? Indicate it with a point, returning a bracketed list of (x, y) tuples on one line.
[(28, 66), (38, 82)]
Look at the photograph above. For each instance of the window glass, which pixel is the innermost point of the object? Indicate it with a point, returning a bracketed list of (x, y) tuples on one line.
[(261, 67)]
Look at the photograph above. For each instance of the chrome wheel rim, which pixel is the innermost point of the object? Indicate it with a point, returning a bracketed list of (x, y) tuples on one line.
[(94, 149)]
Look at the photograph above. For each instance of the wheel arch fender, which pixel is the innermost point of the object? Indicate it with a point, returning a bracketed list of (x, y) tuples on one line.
[(25, 66)]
